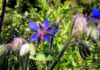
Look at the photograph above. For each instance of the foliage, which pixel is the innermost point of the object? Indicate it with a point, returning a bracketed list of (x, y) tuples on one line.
[(16, 24)]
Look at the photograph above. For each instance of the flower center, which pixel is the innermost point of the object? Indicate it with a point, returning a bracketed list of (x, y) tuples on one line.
[(42, 32), (42, 35)]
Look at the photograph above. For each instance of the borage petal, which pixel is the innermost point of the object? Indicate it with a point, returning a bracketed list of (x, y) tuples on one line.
[(46, 24), (34, 37), (33, 26), (46, 38), (96, 12), (52, 31), (57, 30), (93, 19)]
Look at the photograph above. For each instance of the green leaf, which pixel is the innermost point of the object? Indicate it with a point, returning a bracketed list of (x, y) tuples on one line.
[(66, 5), (42, 57), (32, 49), (2, 49)]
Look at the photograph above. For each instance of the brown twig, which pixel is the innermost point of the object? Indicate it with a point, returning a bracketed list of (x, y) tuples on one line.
[(2, 14)]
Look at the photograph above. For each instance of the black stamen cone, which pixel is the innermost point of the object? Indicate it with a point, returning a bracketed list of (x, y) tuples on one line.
[(55, 25)]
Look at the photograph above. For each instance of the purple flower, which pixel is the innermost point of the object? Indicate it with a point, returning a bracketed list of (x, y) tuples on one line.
[(96, 15), (43, 31)]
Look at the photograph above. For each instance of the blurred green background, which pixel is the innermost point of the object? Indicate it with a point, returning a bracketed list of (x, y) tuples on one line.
[(19, 12)]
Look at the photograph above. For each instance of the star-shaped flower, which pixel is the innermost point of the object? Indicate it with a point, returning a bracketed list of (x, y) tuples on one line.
[(96, 15), (43, 31)]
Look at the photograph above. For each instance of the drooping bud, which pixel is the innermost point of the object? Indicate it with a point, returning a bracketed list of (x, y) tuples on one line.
[(17, 43), (94, 34), (83, 49), (2, 49), (98, 29), (55, 25), (24, 49), (80, 24)]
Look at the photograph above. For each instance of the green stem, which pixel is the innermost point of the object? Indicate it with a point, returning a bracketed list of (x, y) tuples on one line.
[(51, 44), (21, 60), (60, 54), (2, 14), (52, 39), (49, 50), (26, 62)]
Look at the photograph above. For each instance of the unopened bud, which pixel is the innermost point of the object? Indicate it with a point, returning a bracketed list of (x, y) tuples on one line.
[(17, 43), (55, 25), (2, 49), (26, 13), (80, 23), (83, 49), (24, 49), (94, 34)]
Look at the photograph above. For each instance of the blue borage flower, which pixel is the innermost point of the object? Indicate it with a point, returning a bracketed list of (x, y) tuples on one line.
[(96, 15), (43, 31)]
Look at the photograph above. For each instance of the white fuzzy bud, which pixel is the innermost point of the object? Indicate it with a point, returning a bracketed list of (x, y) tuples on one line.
[(81, 24), (2, 49), (17, 43), (26, 13), (24, 49)]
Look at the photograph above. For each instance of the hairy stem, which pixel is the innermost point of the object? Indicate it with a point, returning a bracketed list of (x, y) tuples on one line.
[(60, 54), (51, 45), (26, 62)]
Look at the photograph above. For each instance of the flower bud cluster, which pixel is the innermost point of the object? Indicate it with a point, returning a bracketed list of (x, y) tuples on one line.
[(19, 44)]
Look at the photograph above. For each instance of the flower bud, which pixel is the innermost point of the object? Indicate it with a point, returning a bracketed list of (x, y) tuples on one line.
[(80, 23), (83, 49), (2, 49), (26, 13), (17, 43), (55, 25), (24, 49), (94, 34)]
